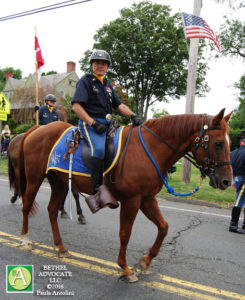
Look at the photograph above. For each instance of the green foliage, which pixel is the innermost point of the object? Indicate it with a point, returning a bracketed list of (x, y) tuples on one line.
[(149, 55), (237, 122), (159, 112), (234, 136), (49, 73), (23, 128), (12, 125), (16, 74), (72, 117), (232, 38)]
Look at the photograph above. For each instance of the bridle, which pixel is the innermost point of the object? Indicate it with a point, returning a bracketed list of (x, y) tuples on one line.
[(201, 141)]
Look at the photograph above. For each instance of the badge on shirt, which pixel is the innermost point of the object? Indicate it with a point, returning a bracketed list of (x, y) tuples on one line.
[(95, 89), (108, 89)]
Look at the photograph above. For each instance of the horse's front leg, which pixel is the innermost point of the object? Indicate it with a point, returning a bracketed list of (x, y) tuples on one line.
[(129, 210), (152, 211), (81, 218)]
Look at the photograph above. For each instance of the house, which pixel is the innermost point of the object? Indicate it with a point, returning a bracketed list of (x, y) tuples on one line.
[(21, 92)]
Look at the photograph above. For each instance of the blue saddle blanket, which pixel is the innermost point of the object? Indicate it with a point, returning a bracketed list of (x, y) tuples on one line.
[(59, 158)]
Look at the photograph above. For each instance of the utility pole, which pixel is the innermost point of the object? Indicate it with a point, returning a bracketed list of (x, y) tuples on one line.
[(191, 87)]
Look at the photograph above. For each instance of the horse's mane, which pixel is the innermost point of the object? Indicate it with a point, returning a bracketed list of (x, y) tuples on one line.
[(176, 125)]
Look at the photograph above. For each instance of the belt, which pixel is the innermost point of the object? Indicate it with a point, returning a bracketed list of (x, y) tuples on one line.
[(98, 115), (107, 116)]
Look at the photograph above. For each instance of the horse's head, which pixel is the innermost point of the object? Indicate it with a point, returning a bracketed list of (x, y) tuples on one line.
[(211, 150)]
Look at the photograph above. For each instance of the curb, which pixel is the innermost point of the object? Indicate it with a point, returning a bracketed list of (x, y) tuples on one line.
[(173, 199), (188, 201)]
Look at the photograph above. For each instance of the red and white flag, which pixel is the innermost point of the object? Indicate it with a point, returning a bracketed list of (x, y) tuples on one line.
[(39, 58)]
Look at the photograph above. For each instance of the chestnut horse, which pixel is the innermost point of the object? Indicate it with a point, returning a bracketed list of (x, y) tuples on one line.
[(169, 139), (13, 182)]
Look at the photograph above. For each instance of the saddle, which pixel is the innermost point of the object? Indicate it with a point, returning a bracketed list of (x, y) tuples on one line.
[(72, 141)]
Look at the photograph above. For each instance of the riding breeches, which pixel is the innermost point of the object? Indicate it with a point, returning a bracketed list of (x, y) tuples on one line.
[(240, 191), (95, 141)]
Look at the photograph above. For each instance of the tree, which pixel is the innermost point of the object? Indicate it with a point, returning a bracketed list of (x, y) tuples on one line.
[(237, 122), (232, 38), (16, 74), (159, 112), (149, 55)]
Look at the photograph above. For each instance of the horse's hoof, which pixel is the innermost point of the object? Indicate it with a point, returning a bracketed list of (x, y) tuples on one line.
[(26, 247), (143, 265), (13, 199), (64, 215), (64, 254), (82, 220), (130, 278)]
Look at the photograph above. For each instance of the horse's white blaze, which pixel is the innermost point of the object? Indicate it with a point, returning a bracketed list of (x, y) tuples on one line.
[(227, 139)]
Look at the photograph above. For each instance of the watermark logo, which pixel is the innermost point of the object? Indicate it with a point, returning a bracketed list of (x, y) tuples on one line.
[(19, 279)]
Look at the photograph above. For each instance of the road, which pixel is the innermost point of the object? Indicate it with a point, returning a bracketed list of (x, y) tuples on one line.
[(199, 259)]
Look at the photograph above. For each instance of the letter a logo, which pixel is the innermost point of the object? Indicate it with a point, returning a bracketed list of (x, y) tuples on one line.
[(19, 279)]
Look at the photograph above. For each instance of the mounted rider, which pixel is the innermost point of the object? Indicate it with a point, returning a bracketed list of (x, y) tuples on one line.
[(93, 102), (47, 113)]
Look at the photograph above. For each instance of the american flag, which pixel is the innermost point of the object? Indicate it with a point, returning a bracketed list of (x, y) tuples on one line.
[(196, 27)]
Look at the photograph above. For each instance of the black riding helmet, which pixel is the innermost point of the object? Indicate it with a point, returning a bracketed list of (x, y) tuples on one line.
[(100, 55), (50, 97), (242, 135)]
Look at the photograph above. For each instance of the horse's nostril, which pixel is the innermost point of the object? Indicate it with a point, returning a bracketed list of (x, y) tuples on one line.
[(227, 183)]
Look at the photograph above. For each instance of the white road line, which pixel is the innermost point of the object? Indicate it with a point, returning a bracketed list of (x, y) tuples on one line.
[(167, 207), (195, 211)]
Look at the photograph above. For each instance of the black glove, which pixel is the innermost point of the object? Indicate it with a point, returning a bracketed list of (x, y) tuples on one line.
[(136, 120), (98, 127), (36, 108)]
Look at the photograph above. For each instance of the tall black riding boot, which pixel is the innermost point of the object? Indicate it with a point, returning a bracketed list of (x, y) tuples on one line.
[(101, 197), (243, 225), (235, 214)]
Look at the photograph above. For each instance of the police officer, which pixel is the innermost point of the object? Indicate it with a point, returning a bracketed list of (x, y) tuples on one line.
[(93, 101), (238, 165), (47, 113)]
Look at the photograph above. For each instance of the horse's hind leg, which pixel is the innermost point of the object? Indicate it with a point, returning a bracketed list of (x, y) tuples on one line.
[(152, 211), (14, 198), (58, 190), (28, 201), (129, 210)]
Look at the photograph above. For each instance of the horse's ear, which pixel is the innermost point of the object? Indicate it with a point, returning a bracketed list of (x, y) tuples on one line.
[(218, 117), (227, 117)]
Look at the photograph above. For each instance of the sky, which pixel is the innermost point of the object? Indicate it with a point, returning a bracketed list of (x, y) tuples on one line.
[(65, 34)]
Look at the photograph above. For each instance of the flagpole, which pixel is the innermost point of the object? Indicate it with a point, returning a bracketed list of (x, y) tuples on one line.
[(36, 81), (191, 87)]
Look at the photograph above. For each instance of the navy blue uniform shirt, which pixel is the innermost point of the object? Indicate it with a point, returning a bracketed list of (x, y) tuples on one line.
[(45, 116), (238, 161), (96, 98)]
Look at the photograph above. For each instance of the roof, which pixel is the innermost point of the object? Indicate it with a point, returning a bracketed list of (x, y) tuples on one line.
[(45, 81), (16, 83)]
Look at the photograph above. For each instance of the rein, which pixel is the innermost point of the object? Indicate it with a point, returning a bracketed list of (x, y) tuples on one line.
[(201, 141)]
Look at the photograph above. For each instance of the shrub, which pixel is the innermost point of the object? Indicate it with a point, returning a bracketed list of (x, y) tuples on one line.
[(23, 128)]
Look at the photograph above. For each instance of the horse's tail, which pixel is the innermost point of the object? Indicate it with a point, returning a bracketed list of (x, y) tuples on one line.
[(21, 176), (11, 173)]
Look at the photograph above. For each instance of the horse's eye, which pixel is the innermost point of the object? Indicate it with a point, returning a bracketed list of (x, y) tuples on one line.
[(219, 145)]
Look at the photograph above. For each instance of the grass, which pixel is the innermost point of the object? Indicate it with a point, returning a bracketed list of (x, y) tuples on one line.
[(3, 164), (206, 192)]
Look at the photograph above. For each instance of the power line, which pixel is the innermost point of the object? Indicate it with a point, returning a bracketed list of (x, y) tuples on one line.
[(41, 9)]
